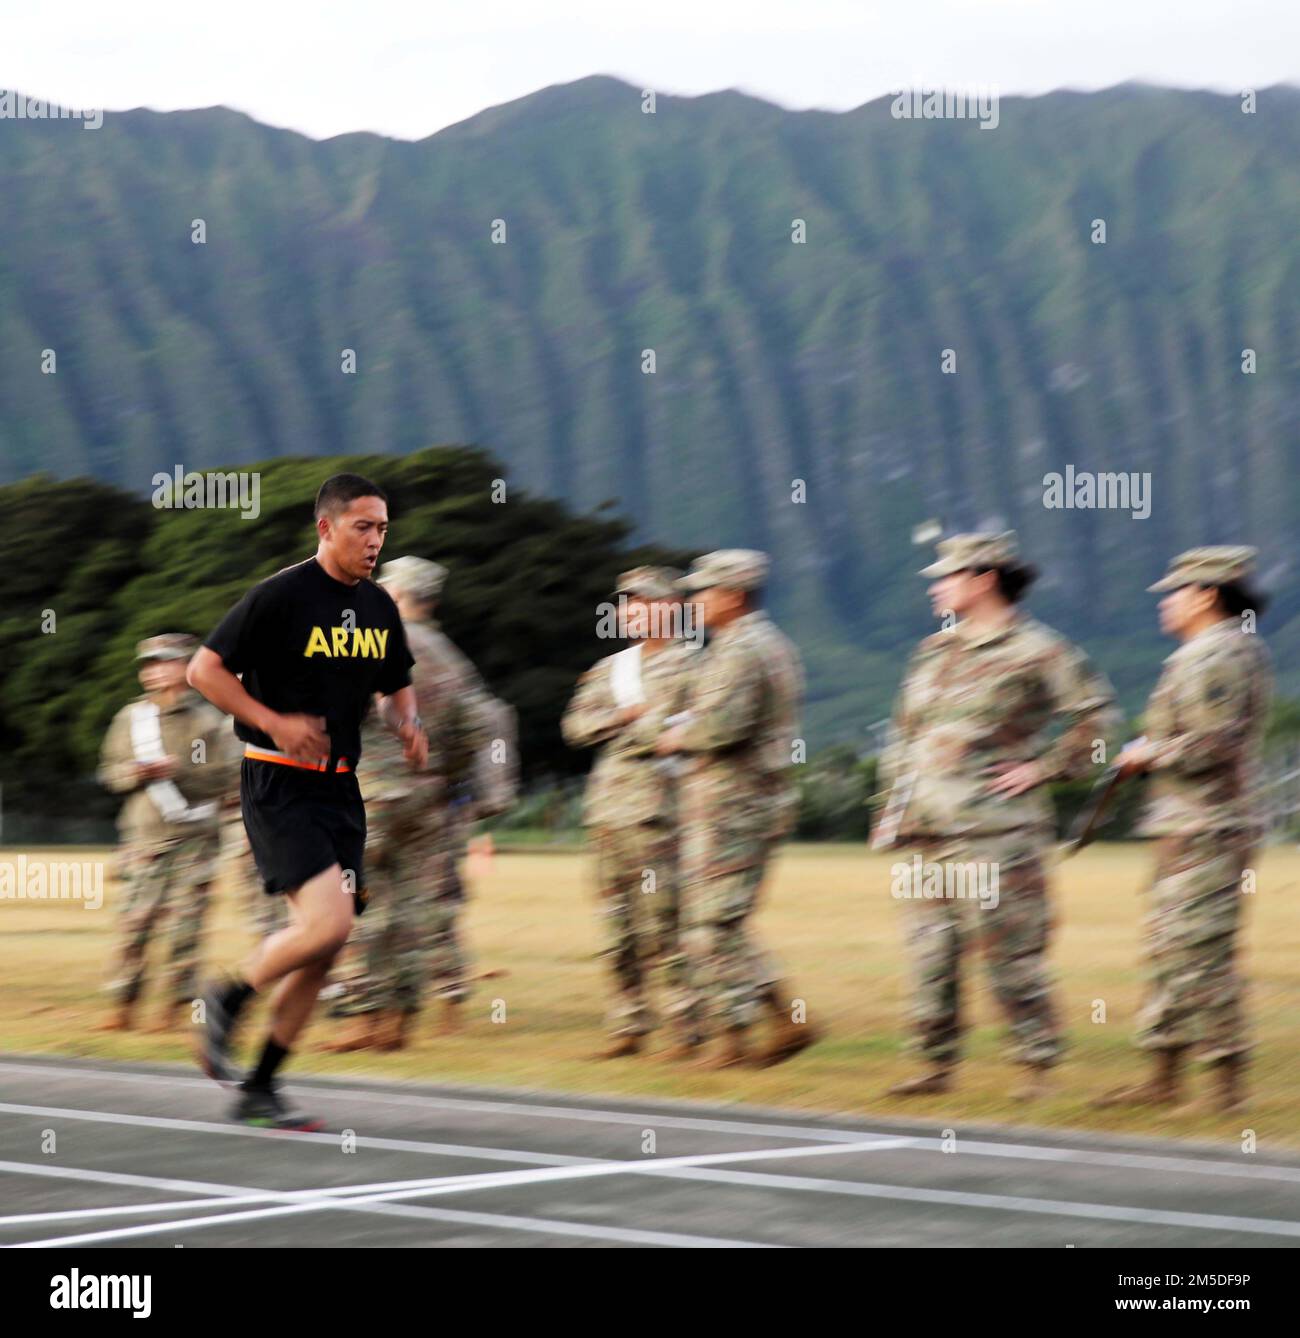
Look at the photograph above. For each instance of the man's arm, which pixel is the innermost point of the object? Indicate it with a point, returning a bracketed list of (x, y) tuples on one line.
[(302, 737), (591, 716), (723, 707), (401, 713), (118, 769)]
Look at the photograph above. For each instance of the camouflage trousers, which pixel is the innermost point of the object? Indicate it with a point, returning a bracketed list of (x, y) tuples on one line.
[(724, 861), (1195, 994), (409, 939), (161, 882), (1012, 930), (636, 874)]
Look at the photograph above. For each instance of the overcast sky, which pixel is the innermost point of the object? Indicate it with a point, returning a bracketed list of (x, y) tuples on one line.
[(408, 69)]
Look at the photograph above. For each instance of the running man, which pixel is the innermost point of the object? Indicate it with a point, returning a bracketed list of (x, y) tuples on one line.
[(313, 643)]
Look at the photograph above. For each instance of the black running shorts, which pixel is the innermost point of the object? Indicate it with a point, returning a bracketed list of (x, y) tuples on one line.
[(299, 822)]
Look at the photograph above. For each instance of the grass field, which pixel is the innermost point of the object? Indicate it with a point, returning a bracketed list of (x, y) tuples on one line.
[(830, 919)]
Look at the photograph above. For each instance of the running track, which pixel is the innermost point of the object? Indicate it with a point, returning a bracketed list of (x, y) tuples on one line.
[(144, 1156)]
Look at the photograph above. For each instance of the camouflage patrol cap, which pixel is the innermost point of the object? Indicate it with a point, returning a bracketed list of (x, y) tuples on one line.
[(965, 552), (731, 568), (649, 582), (166, 646), (1207, 566), (419, 577)]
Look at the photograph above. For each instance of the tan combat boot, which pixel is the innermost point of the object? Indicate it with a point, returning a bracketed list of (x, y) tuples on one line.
[(170, 1017), (732, 1052), (391, 1030), (937, 1079), (788, 1037), (1036, 1083), (1161, 1089), (685, 1047), (621, 1047), (1228, 1095), (120, 1019), (360, 1032), (452, 1021)]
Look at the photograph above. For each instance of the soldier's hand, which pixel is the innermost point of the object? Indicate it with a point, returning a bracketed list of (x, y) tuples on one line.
[(1016, 779), (669, 741), (1135, 758), (163, 769), (631, 713), (303, 737), (415, 744)]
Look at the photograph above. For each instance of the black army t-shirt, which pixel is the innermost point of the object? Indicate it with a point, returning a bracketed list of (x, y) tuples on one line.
[(305, 642)]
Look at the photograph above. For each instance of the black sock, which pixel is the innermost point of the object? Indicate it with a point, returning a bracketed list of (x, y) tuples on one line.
[(272, 1057), (235, 994)]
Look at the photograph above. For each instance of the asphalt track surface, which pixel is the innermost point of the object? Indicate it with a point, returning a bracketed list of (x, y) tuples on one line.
[(144, 1156)]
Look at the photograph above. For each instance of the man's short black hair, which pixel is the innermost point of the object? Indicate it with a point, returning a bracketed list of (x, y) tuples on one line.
[(338, 493)]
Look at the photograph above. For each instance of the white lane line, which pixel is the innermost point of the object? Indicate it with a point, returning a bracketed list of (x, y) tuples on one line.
[(662, 1120), (468, 1151), (522, 1158), (458, 1185), (206, 1194), (1009, 1151), (688, 1167), (656, 1119), (1266, 1226), (233, 1195), (97, 1177)]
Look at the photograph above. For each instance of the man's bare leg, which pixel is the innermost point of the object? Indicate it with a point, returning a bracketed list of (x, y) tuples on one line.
[(300, 957), (320, 919), (294, 999)]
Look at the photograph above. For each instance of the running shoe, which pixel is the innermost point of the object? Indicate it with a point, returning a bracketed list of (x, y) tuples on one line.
[(265, 1108)]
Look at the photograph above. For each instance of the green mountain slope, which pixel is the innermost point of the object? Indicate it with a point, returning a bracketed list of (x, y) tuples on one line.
[(775, 361)]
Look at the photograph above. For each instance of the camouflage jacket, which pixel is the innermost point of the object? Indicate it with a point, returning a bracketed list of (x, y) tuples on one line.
[(448, 692), (628, 784), (203, 774), (743, 709), (1206, 723), (973, 701)]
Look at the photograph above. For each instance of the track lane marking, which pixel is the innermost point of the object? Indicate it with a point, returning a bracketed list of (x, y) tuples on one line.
[(231, 1195), (1009, 1151), (451, 1185)]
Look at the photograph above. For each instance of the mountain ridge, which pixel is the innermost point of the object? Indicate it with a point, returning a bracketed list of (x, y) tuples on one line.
[(775, 362)]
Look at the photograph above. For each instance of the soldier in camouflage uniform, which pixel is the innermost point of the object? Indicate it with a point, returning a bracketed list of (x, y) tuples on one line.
[(737, 742), (172, 756), (1204, 727), (967, 771), (620, 705), (416, 832)]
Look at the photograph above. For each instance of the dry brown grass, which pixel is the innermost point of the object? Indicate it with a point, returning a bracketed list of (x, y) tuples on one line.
[(830, 919)]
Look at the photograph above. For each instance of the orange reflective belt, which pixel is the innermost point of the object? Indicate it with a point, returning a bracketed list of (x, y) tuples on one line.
[(284, 760)]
